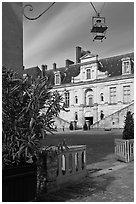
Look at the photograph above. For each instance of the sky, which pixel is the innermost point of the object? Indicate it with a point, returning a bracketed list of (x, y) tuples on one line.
[(54, 36)]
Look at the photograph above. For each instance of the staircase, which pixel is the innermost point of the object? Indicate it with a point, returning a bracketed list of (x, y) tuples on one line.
[(114, 120), (61, 123)]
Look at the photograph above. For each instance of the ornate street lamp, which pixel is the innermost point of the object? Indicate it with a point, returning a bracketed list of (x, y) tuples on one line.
[(99, 27), (31, 9)]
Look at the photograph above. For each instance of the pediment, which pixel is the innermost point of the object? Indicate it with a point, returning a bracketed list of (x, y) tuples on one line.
[(88, 55)]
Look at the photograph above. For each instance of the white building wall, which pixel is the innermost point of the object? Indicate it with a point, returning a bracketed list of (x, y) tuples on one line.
[(95, 111)]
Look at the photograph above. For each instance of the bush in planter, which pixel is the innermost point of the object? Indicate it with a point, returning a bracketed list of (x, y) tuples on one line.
[(124, 148), (128, 132), (23, 122)]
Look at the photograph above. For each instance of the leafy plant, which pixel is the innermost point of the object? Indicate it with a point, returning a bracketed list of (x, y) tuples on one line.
[(28, 108), (128, 132)]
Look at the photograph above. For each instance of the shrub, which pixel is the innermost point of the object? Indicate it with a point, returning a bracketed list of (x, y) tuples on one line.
[(28, 108), (128, 132)]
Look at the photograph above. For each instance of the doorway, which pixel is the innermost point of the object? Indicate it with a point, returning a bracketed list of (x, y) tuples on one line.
[(90, 121)]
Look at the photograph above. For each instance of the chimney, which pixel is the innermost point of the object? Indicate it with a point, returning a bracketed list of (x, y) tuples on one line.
[(78, 54), (44, 68), (68, 62), (54, 66)]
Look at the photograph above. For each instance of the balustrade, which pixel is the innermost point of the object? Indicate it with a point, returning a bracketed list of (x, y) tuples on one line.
[(71, 164), (124, 149), (61, 166)]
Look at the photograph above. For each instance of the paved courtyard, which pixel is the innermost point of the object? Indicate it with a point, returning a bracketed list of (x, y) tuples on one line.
[(107, 180), (99, 143)]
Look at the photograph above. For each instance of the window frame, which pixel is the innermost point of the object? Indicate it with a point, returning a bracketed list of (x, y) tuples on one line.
[(67, 99), (126, 65), (76, 99), (126, 96), (101, 95), (88, 73), (113, 95), (57, 78)]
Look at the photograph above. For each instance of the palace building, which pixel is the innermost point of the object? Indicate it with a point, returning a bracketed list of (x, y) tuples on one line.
[(96, 91)]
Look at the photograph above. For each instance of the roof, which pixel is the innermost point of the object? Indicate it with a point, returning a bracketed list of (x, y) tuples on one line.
[(113, 65), (34, 72)]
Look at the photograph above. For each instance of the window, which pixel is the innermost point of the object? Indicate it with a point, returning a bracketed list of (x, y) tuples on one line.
[(92, 74), (126, 94), (57, 79), (88, 73), (76, 99), (102, 97), (113, 95), (126, 67), (76, 116), (67, 99), (89, 97), (90, 100)]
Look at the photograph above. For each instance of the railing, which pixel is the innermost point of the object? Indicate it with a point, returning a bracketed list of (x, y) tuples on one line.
[(71, 164), (102, 123), (61, 166), (124, 150)]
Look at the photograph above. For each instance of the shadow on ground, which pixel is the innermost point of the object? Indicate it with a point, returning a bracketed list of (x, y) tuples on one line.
[(80, 191)]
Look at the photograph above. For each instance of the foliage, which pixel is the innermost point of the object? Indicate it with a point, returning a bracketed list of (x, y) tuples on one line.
[(128, 132), (85, 127), (28, 108)]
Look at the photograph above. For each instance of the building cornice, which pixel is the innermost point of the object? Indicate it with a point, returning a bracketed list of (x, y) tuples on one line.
[(122, 77)]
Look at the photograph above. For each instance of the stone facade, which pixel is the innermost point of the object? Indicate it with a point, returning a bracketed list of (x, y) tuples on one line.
[(96, 91)]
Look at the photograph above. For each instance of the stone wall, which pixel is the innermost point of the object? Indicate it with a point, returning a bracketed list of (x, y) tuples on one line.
[(12, 35)]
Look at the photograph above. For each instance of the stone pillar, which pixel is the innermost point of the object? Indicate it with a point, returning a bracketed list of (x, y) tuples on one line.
[(12, 36)]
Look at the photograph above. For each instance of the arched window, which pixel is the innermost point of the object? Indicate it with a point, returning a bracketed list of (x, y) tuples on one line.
[(76, 116), (89, 97), (90, 100), (76, 99), (102, 97)]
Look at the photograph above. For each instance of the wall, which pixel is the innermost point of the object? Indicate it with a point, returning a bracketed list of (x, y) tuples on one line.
[(12, 35), (116, 119), (105, 106)]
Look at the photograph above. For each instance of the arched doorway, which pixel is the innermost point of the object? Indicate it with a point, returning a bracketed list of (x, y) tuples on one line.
[(89, 119)]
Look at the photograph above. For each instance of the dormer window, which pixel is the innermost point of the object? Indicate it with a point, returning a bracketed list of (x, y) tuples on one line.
[(126, 66), (57, 79), (88, 74)]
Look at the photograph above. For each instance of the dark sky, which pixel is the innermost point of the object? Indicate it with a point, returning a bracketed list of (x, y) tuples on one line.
[(54, 36)]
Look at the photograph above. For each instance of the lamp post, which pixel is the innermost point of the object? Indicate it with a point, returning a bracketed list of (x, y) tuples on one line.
[(31, 9)]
